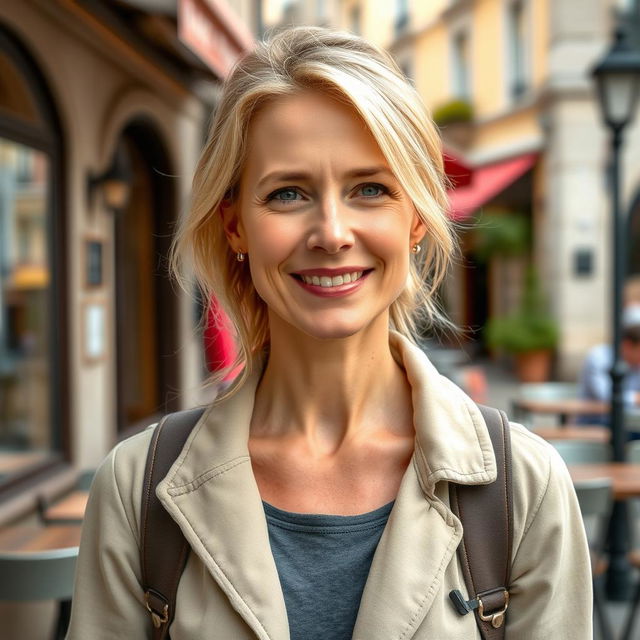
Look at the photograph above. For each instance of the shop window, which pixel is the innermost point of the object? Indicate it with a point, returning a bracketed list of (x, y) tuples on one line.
[(31, 376), (24, 285), (461, 65), (402, 16), (516, 37)]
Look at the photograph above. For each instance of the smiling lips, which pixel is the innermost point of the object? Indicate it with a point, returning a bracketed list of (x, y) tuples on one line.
[(335, 281), (331, 282)]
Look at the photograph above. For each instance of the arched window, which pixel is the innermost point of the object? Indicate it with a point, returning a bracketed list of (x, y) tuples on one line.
[(33, 392)]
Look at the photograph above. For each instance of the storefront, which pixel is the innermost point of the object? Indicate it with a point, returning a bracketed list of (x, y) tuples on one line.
[(103, 111)]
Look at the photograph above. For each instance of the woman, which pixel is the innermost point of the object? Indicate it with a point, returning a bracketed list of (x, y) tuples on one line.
[(314, 494)]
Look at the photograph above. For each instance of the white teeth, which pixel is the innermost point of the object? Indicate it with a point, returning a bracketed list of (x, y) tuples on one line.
[(336, 281)]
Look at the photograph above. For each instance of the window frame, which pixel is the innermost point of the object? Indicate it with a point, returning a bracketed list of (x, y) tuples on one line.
[(513, 96)]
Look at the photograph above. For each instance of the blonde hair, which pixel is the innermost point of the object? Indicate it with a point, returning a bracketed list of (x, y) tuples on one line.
[(363, 76)]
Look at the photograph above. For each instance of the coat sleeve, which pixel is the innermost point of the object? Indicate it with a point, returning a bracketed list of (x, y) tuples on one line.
[(551, 588), (108, 601)]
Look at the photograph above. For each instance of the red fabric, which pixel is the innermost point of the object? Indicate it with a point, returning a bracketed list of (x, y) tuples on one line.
[(486, 183), (219, 345), (458, 172)]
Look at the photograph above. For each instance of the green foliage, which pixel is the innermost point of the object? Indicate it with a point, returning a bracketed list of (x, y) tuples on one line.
[(504, 234), (530, 328), (453, 112)]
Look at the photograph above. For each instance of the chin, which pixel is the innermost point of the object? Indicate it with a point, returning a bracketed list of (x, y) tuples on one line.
[(339, 327), (332, 333)]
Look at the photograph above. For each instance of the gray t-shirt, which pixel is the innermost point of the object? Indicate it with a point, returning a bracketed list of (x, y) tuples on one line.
[(323, 562)]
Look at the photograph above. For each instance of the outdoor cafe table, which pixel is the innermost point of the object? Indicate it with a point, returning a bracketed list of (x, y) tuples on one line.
[(38, 538), (591, 433), (563, 408), (68, 509), (625, 476)]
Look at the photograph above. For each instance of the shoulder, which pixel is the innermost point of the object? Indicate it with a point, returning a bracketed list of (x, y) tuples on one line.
[(120, 477), (541, 481)]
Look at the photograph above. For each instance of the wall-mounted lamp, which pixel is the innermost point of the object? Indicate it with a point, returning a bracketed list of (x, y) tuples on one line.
[(114, 183)]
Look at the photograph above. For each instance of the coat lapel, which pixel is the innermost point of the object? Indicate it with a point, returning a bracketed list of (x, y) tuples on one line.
[(407, 571), (211, 493)]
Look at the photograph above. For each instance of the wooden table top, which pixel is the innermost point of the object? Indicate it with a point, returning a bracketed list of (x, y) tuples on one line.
[(582, 433), (70, 507), (37, 538), (15, 461), (625, 476), (568, 406)]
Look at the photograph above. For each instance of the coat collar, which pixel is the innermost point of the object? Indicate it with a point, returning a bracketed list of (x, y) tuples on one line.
[(213, 475), (452, 441)]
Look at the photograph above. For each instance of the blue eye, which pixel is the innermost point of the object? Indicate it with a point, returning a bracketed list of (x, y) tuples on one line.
[(372, 190), (285, 195)]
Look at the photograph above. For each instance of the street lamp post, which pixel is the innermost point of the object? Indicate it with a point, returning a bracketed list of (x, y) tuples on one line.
[(617, 78)]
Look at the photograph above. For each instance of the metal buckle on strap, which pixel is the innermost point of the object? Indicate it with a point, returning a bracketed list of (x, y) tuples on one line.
[(158, 619), (496, 619)]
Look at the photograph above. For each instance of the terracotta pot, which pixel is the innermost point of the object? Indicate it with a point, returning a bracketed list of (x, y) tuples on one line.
[(534, 366)]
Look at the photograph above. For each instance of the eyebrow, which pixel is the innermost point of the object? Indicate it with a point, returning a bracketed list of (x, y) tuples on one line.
[(293, 176)]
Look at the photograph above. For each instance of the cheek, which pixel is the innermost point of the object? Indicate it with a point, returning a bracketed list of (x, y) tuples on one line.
[(392, 239), (271, 243)]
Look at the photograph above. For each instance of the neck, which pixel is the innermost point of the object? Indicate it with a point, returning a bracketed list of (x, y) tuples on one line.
[(332, 391)]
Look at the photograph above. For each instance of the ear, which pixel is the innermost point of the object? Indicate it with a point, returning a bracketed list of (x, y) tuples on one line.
[(418, 230), (232, 223)]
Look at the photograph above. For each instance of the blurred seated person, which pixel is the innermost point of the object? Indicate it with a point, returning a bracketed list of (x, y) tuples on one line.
[(595, 378)]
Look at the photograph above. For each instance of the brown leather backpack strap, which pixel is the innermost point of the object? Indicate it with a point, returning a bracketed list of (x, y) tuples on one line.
[(486, 512), (163, 548)]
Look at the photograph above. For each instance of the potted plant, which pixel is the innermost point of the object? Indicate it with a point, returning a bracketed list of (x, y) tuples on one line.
[(455, 121), (530, 334)]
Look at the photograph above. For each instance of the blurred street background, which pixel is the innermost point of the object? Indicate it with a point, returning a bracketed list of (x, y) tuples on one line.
[(104, 108)]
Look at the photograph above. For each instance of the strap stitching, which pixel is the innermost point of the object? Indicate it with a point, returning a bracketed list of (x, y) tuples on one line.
[(149, 483), (505, 425), (464, 546)]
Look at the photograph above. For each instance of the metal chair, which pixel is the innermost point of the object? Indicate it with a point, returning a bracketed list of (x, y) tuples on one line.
[(30, 576), (583, 451), (596, 500)]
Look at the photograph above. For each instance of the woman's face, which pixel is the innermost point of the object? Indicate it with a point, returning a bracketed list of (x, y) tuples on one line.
[(327, 228)]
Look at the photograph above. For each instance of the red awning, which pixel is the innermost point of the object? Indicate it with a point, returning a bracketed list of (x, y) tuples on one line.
[(458, 172), (486, 183)]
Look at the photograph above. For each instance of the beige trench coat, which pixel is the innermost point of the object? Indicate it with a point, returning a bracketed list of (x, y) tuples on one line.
[(230, 588)]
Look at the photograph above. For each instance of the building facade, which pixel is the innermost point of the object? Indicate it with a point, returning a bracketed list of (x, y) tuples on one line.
[(104, 108)]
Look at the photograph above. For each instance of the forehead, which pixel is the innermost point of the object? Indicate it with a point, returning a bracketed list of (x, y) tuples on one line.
[(309, 128)]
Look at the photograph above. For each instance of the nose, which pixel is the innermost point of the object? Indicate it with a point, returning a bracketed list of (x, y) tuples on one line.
[(332, 230)]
